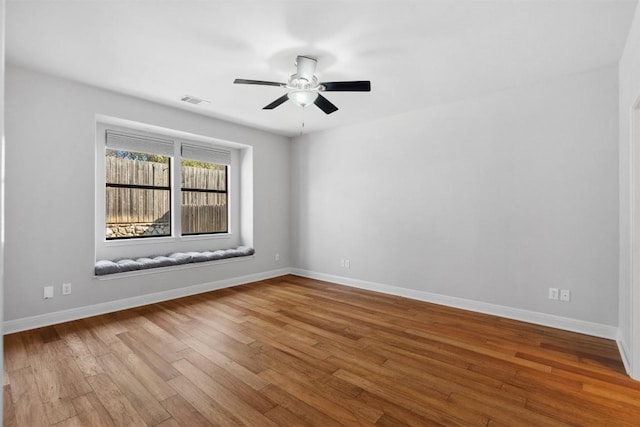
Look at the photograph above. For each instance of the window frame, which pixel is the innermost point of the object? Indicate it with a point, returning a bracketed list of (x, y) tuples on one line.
[(202, 190), (145, 187), (239, 184)]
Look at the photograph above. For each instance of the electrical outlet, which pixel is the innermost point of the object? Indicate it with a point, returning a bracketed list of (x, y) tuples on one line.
[(565, 295), (277, 257), (553, 293), (347, 263), (341, 263), (66, 288), (48, 292)]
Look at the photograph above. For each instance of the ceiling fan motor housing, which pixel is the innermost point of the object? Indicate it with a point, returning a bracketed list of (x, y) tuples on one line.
[(306, 67), (304, 78)]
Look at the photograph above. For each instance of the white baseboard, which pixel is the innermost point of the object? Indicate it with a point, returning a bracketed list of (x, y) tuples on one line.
[(48, 319), (624, 354), (580, 326), (565, 323)]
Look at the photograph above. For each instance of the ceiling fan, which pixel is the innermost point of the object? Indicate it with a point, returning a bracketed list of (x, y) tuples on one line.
[(304, 88)]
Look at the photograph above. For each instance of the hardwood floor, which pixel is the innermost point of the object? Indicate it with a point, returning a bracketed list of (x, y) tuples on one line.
[(298, 352)]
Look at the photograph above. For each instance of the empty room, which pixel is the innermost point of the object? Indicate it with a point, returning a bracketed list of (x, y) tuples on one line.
[(320, 213)]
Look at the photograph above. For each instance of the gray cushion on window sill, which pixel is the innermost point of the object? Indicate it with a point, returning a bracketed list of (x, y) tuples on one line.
[(104, 267), (128, 265), (180, 258)]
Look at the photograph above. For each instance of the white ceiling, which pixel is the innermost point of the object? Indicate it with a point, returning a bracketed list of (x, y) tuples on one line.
[(416, 53)]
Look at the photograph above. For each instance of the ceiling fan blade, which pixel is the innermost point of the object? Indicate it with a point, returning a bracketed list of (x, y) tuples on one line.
[(325, 105), (355, 86), (258, 82), (275, 103)]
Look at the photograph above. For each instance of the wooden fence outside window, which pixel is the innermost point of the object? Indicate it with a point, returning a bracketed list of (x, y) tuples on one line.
[(130, 207)]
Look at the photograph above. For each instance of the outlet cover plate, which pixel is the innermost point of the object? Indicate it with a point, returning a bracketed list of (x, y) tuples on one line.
[(48, 292)]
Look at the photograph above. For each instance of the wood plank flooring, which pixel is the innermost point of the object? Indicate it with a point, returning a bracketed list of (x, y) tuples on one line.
[(292, 351)]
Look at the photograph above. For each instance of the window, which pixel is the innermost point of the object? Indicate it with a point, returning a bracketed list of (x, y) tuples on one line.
[(138, 194), (204, 190), (140, 186), (182, 205)]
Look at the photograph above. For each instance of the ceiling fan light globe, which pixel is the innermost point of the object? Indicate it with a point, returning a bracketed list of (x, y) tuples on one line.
[(302, 98)]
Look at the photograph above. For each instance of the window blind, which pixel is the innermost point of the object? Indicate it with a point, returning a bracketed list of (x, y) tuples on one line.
[(218, 155), (137, 143)]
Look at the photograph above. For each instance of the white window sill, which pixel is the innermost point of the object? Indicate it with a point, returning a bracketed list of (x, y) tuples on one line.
[(220, 236), (168, 239), (172, 268)]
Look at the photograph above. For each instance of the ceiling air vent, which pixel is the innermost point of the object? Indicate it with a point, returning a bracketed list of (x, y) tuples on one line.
[(194, 100)]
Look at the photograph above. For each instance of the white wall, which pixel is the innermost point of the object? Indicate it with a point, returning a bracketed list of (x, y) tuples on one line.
[(492, 199), (629, 321), (50, 131)]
